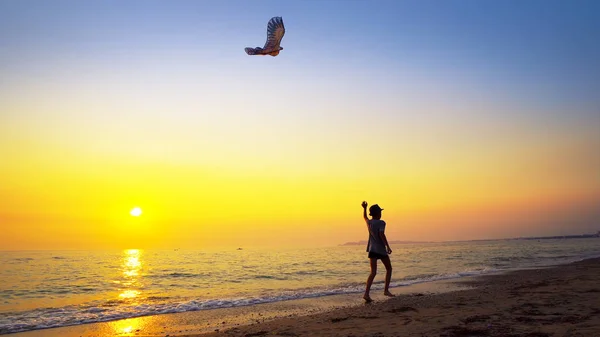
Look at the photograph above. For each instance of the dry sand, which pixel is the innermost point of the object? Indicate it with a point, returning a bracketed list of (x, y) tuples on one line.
[(557, 301)]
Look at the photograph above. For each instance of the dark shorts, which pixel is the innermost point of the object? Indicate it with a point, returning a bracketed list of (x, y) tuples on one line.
[(377, 256)]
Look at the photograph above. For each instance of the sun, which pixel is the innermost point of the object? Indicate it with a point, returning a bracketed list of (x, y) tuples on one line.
[(136, 211)]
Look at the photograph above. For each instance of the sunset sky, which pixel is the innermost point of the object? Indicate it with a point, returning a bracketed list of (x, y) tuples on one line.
[(462, 119)]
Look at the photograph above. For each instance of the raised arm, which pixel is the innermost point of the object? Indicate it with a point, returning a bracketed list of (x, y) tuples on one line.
[(364, 206)]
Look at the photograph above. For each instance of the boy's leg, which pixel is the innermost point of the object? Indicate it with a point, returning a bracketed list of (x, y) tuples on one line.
[(367, 297), (388, 276)]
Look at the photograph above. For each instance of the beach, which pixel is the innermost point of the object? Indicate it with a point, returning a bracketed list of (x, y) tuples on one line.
[(562, 300), (555, 301)]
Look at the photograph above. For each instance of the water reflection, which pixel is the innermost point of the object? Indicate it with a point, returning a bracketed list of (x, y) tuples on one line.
[(126, 327), (129, 294), (132, 266)]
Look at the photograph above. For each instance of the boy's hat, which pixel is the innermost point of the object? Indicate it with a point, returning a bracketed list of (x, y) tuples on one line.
[(375, 209)]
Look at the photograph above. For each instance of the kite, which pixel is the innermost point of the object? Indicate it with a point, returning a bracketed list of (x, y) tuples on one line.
[(275, 31)]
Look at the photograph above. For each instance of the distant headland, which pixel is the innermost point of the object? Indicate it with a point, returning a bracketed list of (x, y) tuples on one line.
[(580, 236), (556, 237), (391, 242)]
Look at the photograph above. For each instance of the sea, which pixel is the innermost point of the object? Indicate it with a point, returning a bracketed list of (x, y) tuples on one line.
[(46, 289)]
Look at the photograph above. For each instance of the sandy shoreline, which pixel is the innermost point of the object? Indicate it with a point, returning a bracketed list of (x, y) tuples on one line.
[(203, 321), (557, 301)]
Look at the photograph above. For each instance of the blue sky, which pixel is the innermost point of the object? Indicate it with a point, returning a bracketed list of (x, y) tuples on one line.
[(535, 62), (540, 50)]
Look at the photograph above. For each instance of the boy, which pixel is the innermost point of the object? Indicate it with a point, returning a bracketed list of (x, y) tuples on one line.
[(378, 248)]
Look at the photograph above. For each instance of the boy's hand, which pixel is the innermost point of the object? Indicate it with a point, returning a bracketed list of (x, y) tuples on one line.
[(364, 204), (389, 250)]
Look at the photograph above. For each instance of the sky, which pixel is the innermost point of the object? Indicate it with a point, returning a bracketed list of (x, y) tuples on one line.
[(463, 119)]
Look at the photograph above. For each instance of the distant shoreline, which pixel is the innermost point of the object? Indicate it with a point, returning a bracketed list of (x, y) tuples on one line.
[(397, 242), (557, 237)]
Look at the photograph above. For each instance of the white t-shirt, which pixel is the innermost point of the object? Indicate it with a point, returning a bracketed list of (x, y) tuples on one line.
[(376, 244)]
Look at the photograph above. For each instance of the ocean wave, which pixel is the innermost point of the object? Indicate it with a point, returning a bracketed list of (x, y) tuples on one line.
[(271, 277), (157, 298), (183, 275), (177, 275), (21, 260), (115, 310)]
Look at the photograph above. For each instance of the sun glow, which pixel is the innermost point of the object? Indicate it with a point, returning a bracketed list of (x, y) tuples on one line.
[(136, 211)]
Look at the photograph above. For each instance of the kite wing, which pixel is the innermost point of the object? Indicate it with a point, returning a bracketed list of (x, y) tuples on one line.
[(251, 51), (275, 32)]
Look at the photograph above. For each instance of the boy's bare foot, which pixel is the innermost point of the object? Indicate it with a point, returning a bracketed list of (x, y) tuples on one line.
[(388, 294), (367, 299)]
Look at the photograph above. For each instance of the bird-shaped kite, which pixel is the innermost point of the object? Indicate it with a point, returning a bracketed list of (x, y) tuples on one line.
[(275, 31)]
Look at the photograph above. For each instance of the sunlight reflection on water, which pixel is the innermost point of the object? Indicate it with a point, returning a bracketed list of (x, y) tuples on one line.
[(126, 327), (132, 266)]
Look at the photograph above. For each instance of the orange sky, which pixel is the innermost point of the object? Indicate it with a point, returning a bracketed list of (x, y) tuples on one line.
[(54, 197)]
